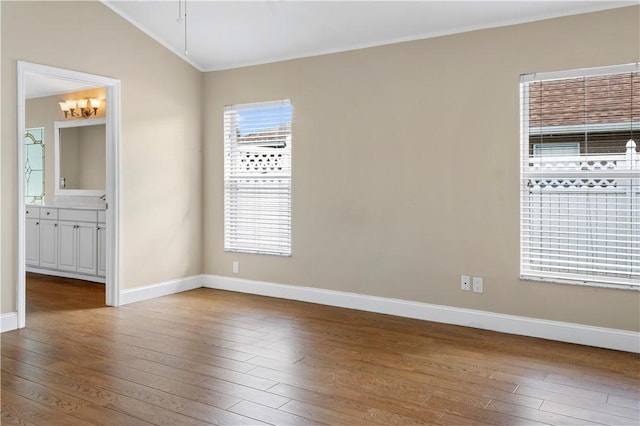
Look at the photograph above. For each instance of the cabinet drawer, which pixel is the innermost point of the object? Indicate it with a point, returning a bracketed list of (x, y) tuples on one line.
[(47, 213), (78, 215), (102, 216), (32, 212)]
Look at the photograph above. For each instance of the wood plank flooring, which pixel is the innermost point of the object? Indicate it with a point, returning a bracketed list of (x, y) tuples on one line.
[(215, 357)]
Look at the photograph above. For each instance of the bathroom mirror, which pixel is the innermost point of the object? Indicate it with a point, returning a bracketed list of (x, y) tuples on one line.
[(80, 150)]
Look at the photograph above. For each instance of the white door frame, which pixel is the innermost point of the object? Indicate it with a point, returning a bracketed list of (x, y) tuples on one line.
[(112, 286)]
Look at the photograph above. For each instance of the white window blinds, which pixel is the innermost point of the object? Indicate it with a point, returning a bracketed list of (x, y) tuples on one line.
[(580, 176), (257, 178)]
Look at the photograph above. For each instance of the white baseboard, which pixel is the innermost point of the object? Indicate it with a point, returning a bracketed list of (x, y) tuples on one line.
[(64, 274), (610, 338), (161, 289), (8, 322), (554, 330)]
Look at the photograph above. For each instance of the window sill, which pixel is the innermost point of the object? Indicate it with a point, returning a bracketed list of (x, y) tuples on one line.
[(632, 287)]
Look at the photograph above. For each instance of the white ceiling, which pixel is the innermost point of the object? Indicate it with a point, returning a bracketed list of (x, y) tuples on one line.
[(231, 34)]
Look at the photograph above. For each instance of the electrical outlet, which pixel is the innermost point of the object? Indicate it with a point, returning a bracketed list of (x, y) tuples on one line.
[(478, 286), (465, 283), (236, 267)]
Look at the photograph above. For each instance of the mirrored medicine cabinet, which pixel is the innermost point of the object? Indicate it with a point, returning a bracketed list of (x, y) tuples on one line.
[(80, 151)]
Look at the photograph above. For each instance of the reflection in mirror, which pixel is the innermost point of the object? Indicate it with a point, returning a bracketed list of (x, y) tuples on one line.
[(82, 164), (80, 157)]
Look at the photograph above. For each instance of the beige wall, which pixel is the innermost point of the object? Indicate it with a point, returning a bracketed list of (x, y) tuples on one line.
[(160, 158), (406, 164), (405, 157)]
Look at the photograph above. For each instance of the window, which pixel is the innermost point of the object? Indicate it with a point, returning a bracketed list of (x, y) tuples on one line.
[(580, 176), (34, 166), (257, 178)]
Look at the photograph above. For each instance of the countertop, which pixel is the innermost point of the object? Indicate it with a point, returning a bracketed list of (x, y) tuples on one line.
[(75, 204)]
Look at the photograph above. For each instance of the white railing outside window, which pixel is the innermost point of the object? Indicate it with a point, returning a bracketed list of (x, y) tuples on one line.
[(581, 218)]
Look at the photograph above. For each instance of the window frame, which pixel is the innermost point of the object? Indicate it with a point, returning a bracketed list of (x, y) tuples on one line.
[(274, 184), (525, 155)]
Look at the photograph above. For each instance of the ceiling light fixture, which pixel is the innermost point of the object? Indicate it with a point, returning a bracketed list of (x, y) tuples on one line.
[(69, 107)]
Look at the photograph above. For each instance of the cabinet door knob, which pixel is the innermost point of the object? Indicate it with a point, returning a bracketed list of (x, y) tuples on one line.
[(37, 223), (48, 213), (27, 211), (55, 225)]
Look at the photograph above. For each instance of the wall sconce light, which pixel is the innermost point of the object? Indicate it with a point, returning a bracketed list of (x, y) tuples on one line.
[(69, 107)]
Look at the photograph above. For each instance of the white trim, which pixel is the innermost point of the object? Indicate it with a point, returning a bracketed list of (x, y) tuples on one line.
[(166, 288), (260, 104), (113, 175), (580, 72), (610, 338), (579, 282), (21, 291), (8, 322), (554, 330), (112, 203)]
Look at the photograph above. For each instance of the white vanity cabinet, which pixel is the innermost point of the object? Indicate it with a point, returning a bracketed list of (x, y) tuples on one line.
[(78, 242), (67, 247), (48, 231), (32, 236), (87, 243), (102, 243), (78, 247), (66, 242)]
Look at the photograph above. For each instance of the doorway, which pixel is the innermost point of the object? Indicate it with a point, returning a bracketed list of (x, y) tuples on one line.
[(28, 73)]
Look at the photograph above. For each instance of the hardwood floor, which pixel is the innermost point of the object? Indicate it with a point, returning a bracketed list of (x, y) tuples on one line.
[(216, 357)]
